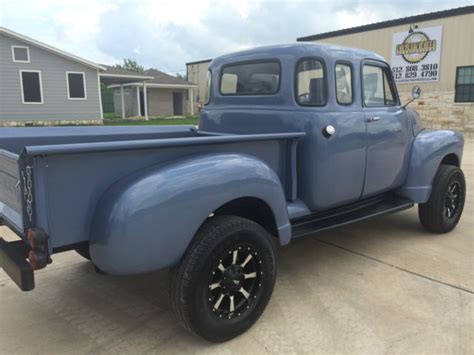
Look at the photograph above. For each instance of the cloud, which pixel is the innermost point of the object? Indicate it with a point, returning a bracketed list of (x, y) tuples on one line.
[(166, 34)]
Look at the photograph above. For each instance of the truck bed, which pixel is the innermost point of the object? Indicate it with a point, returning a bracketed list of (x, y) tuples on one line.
[(53, 178)]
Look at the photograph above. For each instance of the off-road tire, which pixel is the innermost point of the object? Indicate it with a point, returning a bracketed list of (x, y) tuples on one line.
[(190, 286), (432, 214)]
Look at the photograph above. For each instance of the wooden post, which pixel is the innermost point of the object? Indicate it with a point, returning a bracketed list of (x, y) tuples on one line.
[(122, 101), (139, 109), (191, 99), (145, 101)]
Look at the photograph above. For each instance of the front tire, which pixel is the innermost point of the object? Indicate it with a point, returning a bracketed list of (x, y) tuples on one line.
[(444, 208), (225, 280)]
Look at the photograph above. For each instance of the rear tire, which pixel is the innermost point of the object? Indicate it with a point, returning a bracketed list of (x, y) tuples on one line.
[(225, 279), (444, 208)]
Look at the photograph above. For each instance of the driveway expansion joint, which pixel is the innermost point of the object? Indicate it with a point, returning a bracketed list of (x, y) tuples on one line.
[(396, 267)]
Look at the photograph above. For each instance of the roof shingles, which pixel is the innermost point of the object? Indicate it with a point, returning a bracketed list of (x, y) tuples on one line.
[(163, 78), (158, 76)]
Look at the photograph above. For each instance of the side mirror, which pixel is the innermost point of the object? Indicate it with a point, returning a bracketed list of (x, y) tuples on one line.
[(415, 94)]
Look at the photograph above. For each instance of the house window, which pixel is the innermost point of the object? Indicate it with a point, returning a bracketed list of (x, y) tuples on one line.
[(76, 85), (311, 83), (21, 54), (31, 89), (378, 90), (261, 78), (464, 84)]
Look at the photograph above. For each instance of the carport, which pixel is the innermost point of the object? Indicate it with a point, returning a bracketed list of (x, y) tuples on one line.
[(151, 92), (114, 77)]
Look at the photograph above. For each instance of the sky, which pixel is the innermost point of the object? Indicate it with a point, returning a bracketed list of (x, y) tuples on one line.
[(167, 34)]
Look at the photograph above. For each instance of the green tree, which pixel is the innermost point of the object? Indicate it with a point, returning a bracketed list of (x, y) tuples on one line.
[(130, 64), (181, 76)]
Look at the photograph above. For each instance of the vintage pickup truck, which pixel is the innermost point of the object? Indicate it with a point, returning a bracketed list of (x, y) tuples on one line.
[(293, 139)]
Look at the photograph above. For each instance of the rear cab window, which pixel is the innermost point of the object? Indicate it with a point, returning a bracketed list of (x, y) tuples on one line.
[(259, 78)]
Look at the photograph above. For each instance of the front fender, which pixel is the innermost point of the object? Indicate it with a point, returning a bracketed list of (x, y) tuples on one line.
[(146, 221), (429, 149)]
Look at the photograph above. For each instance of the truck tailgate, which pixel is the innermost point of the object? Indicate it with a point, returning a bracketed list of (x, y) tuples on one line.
[(10, 198)]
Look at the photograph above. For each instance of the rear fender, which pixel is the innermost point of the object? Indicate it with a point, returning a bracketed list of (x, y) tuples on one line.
[(429, 149), (146, 221)]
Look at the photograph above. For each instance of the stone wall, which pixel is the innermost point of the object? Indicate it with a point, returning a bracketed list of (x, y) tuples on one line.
[(439, 111), (51, 123)]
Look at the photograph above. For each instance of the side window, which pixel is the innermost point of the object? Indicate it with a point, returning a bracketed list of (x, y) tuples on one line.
[(76, 86), (31, 89), (311, 83), (464, 84), (377, 89), (343, 74), (251, 79), (21, 54)]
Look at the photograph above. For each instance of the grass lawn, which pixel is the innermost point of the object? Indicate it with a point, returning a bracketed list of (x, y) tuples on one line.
[(188, 120)]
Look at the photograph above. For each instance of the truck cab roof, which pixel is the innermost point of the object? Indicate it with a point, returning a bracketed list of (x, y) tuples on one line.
[(295, 51), (272, 83)]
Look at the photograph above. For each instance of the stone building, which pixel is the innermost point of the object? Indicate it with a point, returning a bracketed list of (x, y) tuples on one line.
[(434, 51)]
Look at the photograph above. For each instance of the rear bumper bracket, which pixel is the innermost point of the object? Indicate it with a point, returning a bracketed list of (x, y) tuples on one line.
[(13, 260)]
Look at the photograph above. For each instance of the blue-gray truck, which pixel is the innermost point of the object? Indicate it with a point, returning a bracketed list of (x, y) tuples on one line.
[(292, 140)]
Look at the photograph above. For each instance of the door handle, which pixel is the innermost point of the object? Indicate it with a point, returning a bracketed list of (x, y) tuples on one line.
[(329, 131), (373, 119)]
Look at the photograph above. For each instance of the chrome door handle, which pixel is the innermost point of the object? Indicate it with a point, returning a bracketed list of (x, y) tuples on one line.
[(373, 119), (329, 130)]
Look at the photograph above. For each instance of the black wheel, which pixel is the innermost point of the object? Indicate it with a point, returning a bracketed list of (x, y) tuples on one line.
[(444, 208), (225, 280)]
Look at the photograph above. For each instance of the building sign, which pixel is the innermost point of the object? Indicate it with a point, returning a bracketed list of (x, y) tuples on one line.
[(416, 55)]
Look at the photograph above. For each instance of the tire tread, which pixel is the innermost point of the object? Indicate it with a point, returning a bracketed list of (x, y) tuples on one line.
[(182, 276), (429, 212)]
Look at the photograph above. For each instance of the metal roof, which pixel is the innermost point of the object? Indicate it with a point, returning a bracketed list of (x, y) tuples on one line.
[(391, 23), (199, 61)]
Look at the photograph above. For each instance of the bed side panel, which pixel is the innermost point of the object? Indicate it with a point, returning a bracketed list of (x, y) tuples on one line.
[(75, 182)]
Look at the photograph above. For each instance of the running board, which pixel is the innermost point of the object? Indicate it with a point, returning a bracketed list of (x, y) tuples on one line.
[(348, 214)]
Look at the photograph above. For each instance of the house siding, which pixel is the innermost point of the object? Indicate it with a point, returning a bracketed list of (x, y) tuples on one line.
[(56, 105), (160, 101)]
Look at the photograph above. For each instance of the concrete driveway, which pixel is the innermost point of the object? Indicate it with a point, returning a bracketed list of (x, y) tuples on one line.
[(379, 286)]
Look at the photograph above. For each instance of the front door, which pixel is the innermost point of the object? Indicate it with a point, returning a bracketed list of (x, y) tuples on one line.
[(177, 103), (388, 133)]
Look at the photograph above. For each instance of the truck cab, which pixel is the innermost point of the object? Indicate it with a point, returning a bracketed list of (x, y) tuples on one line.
[(358, 138)]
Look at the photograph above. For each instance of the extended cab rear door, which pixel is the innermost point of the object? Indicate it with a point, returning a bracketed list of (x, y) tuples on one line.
[(388, 133), (337, 143)]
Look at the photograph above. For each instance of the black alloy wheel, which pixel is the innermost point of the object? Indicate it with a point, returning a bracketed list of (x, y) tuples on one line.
[(225, 279)]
